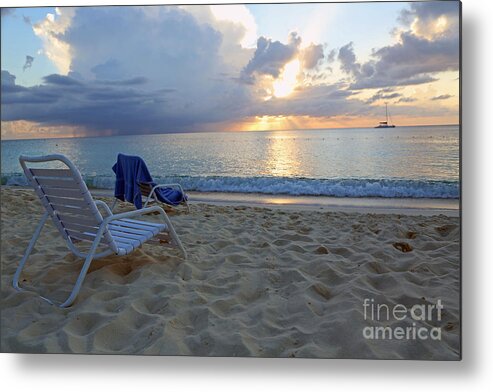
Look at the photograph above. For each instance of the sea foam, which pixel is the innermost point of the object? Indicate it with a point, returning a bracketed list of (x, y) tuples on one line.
[(390, 188)]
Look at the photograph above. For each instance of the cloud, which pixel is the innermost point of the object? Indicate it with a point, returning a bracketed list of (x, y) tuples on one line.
[(312, 56), (61, 80), (182, 83), (347, 58), (92, 105), (411, 61), (28, 63), (384, 94), (107, 70), (275, 67), (136, 69), (138, 80), (406, 100), (331, 56), (332, 102), (270, 57), (6, 11), (441, 97), (51, 31), (235, 19), (316, 101), (98, 107), (27, 130), (236, 25), (125, 70), (432, 19), (7, 78), (417, 56)]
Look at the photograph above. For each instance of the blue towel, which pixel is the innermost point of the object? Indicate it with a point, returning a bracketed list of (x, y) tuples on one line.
[(132, 170)]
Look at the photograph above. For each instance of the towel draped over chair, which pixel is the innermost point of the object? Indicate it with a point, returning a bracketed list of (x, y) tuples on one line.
[(131, 172)]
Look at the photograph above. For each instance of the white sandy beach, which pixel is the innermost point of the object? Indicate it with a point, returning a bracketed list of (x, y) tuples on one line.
[(259, 281)]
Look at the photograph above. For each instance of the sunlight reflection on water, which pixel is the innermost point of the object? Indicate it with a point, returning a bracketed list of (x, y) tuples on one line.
[(417, 153)]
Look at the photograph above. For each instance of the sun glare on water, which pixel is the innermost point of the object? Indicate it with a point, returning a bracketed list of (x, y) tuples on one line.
[(286, 83)]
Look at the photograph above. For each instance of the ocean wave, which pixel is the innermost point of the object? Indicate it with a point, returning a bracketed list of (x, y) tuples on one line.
[(391, 188)]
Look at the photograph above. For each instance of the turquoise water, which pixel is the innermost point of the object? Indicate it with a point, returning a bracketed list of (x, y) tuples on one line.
[(411, 162)]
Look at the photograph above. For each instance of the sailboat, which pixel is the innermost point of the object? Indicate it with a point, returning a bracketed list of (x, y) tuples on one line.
[(386, 123)]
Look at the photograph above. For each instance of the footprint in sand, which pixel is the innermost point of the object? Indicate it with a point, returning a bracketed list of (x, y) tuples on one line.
[(445, 229), (411, 235), (321, 290), (402, 246), (322, 250)]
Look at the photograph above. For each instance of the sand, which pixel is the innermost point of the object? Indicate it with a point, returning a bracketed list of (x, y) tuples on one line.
[(259, 282)]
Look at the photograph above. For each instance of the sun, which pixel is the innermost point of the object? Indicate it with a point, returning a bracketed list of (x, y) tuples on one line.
[(286, 83)]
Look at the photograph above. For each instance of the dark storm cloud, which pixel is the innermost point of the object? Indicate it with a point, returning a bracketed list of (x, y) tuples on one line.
[(126, 82), (60, 80), (92, 105), (121, 107), (123, 80)]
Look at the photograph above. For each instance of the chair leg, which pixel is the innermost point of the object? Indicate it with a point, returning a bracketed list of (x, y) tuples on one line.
[(78, 283), (37, 232), (173, 235), (82, 273), (114, 204)]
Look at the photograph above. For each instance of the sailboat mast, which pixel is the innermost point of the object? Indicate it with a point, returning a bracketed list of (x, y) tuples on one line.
[(386, 113)]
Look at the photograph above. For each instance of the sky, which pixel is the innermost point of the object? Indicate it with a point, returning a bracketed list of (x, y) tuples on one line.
[(100, 71)]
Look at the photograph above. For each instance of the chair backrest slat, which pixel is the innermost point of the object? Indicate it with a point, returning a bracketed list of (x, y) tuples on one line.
[(67, 218), (63, 201), (80, 227), (60, 192), (82, 212), (51, 172), (65, 196), (60, 183), (81, 236)]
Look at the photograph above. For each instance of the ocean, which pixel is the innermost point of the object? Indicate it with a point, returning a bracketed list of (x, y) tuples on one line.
[(401, 162)]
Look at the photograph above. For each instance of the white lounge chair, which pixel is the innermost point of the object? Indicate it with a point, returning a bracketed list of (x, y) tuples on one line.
[(75, 214)]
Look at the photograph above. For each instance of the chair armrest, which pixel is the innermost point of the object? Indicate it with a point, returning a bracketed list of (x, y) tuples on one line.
[(167, 186), (151, 194), (104, 205)]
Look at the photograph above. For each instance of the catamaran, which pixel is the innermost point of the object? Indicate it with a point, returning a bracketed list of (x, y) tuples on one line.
[(386, 123)]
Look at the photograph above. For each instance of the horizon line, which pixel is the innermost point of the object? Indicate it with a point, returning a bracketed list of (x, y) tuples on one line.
[(225, 131)]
